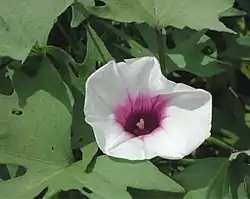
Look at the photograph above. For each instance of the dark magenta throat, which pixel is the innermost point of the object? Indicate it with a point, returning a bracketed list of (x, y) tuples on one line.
[(141, 123), (141, 115)]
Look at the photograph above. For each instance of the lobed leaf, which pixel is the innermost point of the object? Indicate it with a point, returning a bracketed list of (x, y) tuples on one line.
[(159, 13)]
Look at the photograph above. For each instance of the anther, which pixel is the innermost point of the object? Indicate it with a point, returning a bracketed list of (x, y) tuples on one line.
[(140, 124)]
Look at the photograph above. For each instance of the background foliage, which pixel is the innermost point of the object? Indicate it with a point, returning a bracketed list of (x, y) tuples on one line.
[(49, 48)]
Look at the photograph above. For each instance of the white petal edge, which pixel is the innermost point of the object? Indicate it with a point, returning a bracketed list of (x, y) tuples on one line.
[(115, 142), (108, 133), (144, 75), (184, 129), (162, 144), (132, 149), (104, 91)]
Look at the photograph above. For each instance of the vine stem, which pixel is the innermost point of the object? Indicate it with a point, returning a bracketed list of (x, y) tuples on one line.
[(161, 49), (213, 140)]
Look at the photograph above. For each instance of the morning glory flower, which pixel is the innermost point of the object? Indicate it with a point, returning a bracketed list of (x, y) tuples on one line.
[(136, 113)]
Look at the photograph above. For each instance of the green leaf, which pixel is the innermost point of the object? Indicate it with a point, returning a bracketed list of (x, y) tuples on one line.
[(86, 2), (227, 184), (96, 48), (244, 40), (36, 135), (88, 152), (29, 86), (136, 49), (65, 65), (69, 176), (238, 48), (78, 13), (177, 13), (196, 194), (247, 119), (23, 23), (96, 52), (41, 145), (82, 133), (77, 16), (196, 170), (242, 192), (229, 121), (43, 148), (132, 174), (149, 36), (233, 12), (247, 183), (104, 188), (193, 51), (219, 186), (239, 171)]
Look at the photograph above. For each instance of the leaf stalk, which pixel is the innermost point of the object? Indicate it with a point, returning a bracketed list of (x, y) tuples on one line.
[(161, 49)]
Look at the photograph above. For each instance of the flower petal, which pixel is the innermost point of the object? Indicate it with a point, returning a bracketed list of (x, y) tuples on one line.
[(132, 149), (183, 87), (104, 91), (186, 126), (114, 141), (163, 144), (108, 133), (144, 75)]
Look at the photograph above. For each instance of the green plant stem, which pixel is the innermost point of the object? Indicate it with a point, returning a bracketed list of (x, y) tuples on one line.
[(161, 49), (186, 161), (217, 142), (96, 44)]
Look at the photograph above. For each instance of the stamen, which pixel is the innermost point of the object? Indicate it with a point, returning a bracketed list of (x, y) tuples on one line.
[(140, 124)]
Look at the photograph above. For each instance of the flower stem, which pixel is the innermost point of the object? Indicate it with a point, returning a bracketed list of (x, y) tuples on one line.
[(213, 140), (161, 49)]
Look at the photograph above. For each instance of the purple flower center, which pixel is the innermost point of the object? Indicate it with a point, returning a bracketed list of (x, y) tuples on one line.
[(141, 115)]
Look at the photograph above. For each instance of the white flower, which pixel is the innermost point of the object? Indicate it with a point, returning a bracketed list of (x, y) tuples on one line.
[(136, 113)]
